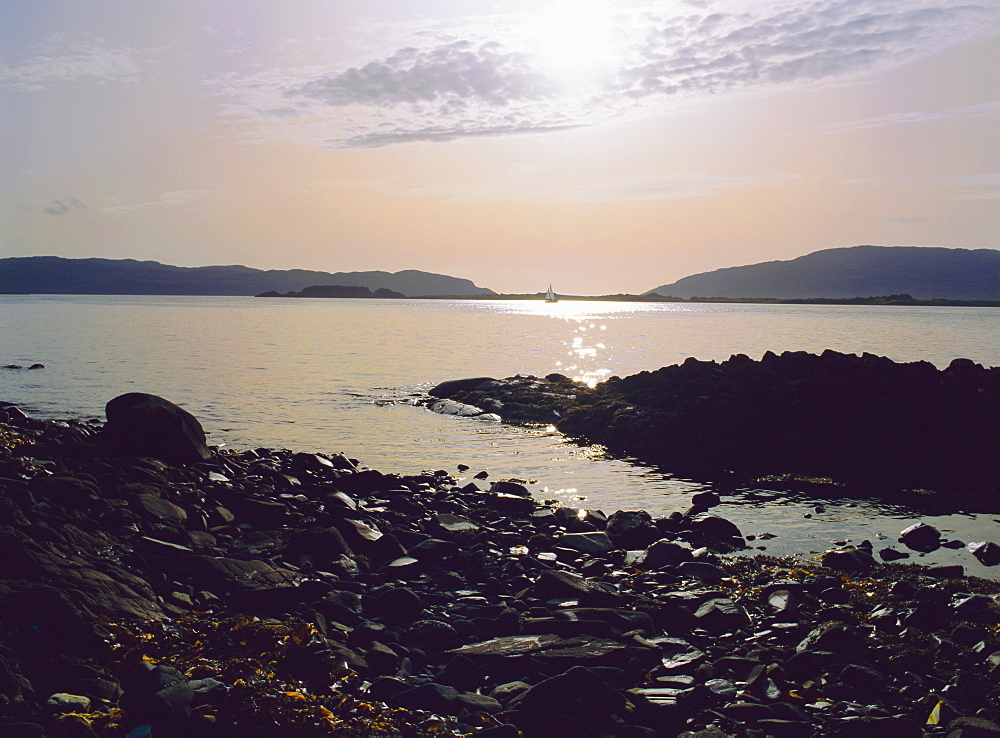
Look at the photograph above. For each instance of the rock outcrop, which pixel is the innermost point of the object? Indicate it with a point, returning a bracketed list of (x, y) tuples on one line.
[(858, 419)]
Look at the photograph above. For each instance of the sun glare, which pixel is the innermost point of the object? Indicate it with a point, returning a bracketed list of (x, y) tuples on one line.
[(576, 43)]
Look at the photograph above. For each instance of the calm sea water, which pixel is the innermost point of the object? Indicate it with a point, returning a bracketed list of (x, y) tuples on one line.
[(334, 375)]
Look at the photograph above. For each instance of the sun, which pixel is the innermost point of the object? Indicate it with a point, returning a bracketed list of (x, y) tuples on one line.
[(576, 43)]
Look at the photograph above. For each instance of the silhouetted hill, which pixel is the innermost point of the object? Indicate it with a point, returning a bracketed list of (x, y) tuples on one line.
[(55, 275), (338, 290), (860, 271)]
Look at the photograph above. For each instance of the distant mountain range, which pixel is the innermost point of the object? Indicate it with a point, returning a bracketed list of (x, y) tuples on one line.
[(860, 271), (55, 275)]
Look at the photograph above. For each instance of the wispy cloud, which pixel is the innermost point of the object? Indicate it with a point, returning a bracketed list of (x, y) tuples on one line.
[(974, 186), (167, 199), (61, 207), (60, 62), (485, 77), (521, 185), (982, 110)]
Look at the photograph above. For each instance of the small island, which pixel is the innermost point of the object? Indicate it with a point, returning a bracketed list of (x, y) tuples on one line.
[(337, 290)]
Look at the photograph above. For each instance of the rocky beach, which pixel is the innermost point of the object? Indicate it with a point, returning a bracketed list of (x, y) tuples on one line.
[(153, 586)]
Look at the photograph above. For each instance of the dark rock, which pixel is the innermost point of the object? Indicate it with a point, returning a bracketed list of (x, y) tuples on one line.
[(595, 544), (921, 537), (157, 508), (849, 559), (946, 571), (632, 529), (381, 659), (712, 528), (454, 525), (832, 636), (462, 673), (721, 614), (705, 499), (971, 726), (664, 553), (975, 608), (453, 387), (554, 585), (987, 552), (146, 425), (703, 570), (208, 691), (394, 604), (437, 698), (324, 544), (576, 701), (433, 635), (504, 693), (891, 554), (619, 621)]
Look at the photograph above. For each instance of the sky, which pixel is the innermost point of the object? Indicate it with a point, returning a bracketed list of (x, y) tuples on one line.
[(605, 147)]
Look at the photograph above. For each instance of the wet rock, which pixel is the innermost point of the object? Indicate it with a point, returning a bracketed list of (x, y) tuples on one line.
[(323, 544), (891, 554), (450, 407), (454, 525), (576, 701), (705, 499), (849, 559), (555, 585), (921, 537), (157, 508), (595, 544), (395, 604), (701, 570), (721, 614), (664, 553), (63, 702), (832, 637), (971, 726), (631, 529), (506, 692), (987, 552), (714, 528)]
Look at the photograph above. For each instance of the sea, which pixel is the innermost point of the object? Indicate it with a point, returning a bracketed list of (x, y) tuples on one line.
[(342, 375)]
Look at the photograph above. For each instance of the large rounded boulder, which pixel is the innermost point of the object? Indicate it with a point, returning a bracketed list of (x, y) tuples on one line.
[(147, 425)]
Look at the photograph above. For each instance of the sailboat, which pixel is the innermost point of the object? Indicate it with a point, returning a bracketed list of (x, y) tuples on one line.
[(550, 296)]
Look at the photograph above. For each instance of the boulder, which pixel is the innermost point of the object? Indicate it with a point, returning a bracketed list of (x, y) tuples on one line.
[(562, 585), (987, 552), (140, 424), (575, 702), (921, 537), (632, 529)]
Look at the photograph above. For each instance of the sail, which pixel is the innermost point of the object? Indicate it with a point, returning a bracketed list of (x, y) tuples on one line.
[(550, 296)]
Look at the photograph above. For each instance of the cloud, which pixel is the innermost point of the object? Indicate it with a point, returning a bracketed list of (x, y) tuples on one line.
[(487, 77), (91, 61), (457, 71), (527, 185), (981, 110), (173, 198), (975, 186), (59, 207)]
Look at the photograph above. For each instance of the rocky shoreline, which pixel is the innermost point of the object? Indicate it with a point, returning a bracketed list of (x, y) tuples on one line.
[(150, 585), (862, 420)]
